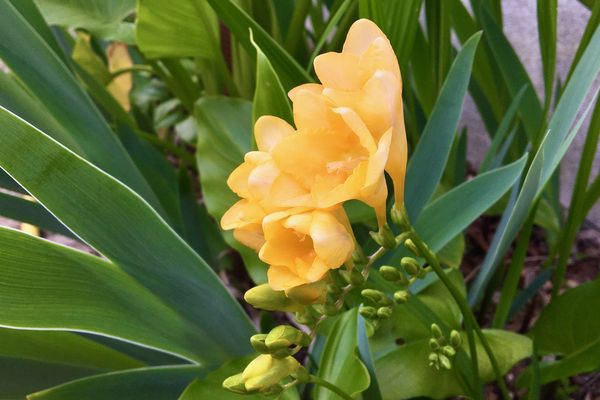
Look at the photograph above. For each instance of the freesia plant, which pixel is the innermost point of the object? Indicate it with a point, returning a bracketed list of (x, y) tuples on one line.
[(251, 200)]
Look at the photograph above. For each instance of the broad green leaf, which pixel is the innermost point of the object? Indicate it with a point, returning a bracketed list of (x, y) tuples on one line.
[(551, 150), (62, 348), (373, 392), (269, 96), (239, 22), (514, 74), (447, 216), (340, 363), (224, 136), (185, 28), (70, 290), (121, 225), (20, 209), (407, 374), (50, 81), (429, 158), (100, 17), (156, 383)]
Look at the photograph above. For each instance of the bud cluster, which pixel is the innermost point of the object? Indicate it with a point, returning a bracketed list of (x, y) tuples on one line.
[(442, 350), (267, 372)]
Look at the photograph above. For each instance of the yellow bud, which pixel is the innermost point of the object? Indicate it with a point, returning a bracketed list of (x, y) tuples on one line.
[(410, 265), (384, 312), (258, 343), (309, 293), (265, 298), (266, 371), (235, 384), (284, 336), (401, 296)]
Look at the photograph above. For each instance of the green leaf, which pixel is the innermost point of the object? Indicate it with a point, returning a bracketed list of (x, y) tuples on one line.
[(551, 150), (429, 158), (120, 225), (340, 363), (407, 374), (156, 383), (224, 136), (547, 11), (28, 211), (62, 348), (186, 28), (269, 96), (100, 17), (239, 22), (373, 392), (50, 81), (447, 216), (514, 74)]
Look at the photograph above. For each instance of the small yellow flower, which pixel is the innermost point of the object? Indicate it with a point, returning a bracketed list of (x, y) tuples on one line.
[(302, 246), (365, 77)]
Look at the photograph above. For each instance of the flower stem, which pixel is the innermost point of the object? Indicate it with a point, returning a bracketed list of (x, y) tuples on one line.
[(470, 320), (318, 381)]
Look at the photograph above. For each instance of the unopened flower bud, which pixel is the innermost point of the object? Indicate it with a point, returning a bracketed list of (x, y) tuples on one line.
[(412, 247), (374, 295), (449, 351), (384, 312), (358, 256), (389, 273), (265, 298), (266, 371), (455, 339), (436, 331), (401, 296), (258, 343), (368, 312), (356, 277), (433, 344), (384, 237), (410, 265), (284, 336), (309, 293), (433, 359), (235, 384), (445, 362)]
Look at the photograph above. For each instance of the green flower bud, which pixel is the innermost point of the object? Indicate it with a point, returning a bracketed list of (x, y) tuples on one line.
[(374, 295), (401, 296), (358, 256), (284, 336), (433, 344), (434, 360), (265, 298), (389, 273), (235, 384), (368, 312), (436, 331), (266, 371), (258, 342), (384, 237), (384, 312), (448, 351), (397, 217), (356, 277), (445, 362), (455, 339), (412, 247), (410, 265), (309, 293)]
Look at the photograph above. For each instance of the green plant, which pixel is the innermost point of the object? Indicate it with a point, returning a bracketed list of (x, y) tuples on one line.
[(123, 121)]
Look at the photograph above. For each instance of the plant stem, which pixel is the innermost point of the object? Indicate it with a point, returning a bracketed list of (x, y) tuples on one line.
[(318, 381), (464, 308)]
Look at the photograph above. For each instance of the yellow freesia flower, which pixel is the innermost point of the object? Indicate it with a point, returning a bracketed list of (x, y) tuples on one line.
[(302, 246), (365, 77)]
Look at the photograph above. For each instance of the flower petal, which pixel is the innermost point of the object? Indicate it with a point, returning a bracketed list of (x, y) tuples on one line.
[(332, 241), (269, 130)]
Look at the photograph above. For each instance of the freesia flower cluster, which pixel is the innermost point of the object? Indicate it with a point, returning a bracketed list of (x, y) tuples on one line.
[(349, 130)]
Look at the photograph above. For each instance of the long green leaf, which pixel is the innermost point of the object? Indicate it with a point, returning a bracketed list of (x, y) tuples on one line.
[(156, 383), (45, 75), (429, 158), (52, 287), (557, 139), (339, 363), (547, 11), (239, 22), (120, 225)]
